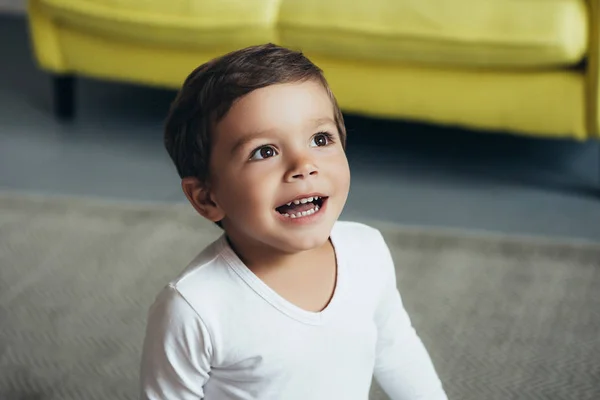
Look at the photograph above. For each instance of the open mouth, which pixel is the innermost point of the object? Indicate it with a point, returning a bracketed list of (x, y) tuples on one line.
[(302, 207)]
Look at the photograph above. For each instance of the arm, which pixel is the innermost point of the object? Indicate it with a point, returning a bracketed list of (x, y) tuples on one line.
[(177, 351), (403, 367)]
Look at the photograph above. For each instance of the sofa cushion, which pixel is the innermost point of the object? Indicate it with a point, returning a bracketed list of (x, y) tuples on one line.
[(495, 33), (202, 24)]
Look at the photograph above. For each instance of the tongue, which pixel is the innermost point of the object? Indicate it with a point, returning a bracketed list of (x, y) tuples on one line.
[(285, 209)]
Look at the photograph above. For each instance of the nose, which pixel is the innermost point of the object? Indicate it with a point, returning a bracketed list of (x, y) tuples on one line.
[(302, 167)]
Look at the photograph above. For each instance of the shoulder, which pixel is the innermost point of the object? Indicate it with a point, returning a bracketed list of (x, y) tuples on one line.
[(357, 236), (364, 249), (361, 245), (202, 266), (366, 260), (208, 275), (202, 286)]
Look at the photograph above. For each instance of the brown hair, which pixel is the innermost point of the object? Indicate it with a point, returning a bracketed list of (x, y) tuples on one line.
[(210, 90)]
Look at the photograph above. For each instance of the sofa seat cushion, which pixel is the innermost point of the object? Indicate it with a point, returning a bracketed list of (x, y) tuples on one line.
[(204, 24), (494, 33)]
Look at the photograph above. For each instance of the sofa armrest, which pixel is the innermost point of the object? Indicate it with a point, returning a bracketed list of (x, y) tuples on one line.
[(592, 86), (44, 36)]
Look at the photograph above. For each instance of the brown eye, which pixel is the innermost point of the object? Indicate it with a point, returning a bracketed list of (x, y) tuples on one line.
[(321, 139), (263, 152), (266, 152)]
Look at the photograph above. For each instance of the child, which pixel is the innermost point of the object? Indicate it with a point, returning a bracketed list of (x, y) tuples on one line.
[(289, 303)]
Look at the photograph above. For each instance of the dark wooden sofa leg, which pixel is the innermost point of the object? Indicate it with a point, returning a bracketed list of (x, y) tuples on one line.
[(63, 87)]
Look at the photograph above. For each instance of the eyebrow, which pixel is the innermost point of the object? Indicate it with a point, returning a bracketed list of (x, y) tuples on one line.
[(249, 138), (267, 132), (323, 121)]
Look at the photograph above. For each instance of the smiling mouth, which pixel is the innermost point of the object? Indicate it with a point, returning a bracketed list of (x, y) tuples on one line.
[(302, 207)]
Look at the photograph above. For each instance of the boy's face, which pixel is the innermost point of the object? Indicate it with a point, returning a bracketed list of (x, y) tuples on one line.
[(277, 145)]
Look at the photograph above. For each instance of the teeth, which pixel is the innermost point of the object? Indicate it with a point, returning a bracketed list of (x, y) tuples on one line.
[(302, 213), (303, 201)]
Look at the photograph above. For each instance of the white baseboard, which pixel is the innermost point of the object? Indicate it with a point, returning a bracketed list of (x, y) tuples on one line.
[(13, 6)]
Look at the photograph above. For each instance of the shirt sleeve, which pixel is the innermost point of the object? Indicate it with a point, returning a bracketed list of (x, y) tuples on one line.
[(403, 367), (176, 352)]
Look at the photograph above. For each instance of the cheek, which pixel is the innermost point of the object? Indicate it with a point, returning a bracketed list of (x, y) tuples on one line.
[(340, 167), (246, 190)]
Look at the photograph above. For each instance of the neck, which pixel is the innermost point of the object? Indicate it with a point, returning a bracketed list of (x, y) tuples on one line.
[(260, 257)]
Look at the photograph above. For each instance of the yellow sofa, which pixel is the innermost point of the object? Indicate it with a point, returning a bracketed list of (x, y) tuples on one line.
[(521, 66)]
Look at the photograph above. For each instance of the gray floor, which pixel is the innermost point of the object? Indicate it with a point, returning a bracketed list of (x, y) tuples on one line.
[(405, 173)]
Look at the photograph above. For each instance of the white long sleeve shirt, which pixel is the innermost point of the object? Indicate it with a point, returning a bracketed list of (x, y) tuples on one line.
[(218, 332)]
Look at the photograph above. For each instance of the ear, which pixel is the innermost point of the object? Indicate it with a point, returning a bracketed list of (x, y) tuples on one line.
[(199, 195)]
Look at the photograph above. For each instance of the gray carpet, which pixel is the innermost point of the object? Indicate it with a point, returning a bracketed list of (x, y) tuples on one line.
[(503, 318)]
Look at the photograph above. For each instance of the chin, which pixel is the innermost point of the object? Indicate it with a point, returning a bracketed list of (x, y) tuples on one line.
[(311, 241)]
